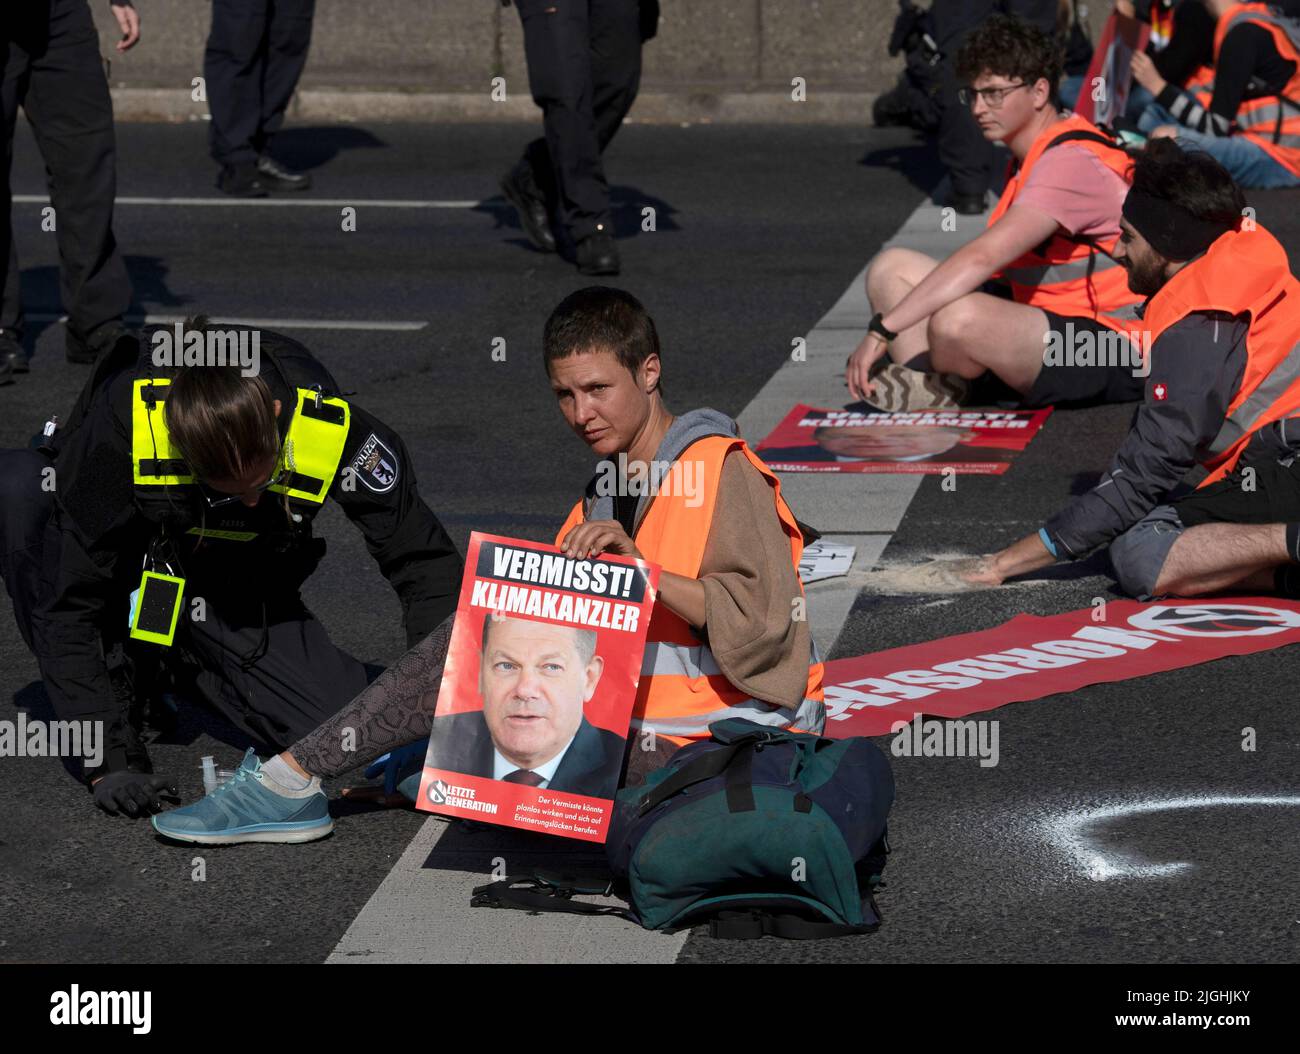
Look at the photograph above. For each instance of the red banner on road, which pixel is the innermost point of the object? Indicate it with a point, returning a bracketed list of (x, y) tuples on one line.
[(1031, 657)]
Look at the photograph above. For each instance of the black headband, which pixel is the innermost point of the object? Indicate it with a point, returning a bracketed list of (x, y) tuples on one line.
[(1170, 230)]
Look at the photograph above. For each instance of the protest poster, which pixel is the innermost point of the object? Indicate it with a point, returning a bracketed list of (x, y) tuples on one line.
[(538, 688), (922, 441), (1109, 79)]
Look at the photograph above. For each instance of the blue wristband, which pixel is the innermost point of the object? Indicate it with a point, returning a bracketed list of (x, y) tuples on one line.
[(1047, 541)]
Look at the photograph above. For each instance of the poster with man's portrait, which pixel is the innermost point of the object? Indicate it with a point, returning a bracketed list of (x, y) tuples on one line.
[(537, 693), (980, 442)]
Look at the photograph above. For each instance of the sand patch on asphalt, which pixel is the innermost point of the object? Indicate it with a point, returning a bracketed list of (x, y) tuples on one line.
[(938, 576)]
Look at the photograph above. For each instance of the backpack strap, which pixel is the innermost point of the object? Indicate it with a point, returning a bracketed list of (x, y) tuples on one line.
[(706, 767), (531, 893), (1085, 135)]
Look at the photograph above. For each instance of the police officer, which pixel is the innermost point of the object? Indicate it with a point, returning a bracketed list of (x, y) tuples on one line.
[(255, 54), (49, 54), (208, 479), (584, 68), (963, 150)]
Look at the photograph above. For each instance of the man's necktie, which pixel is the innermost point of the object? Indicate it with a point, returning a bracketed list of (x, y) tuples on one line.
[(525, 776)]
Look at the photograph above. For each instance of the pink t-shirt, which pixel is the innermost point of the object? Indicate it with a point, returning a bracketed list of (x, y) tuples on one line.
[(1070, 184)]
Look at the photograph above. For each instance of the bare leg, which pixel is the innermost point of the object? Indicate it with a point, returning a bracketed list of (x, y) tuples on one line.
[(979, 332), (892, 275), (1215, 557)]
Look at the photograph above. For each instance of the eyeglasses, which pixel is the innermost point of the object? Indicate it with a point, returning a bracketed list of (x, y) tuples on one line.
[(216, 503), (992, 96)]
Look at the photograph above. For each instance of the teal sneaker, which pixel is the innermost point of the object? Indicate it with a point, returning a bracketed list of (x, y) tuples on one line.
[(246, 809)]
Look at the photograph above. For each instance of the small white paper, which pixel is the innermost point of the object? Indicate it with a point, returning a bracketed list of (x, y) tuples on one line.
[(825, 559)]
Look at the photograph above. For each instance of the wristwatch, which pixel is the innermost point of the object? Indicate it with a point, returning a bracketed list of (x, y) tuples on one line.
[(878, 328)]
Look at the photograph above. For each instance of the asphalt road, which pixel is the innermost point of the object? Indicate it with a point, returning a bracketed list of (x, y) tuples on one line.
[(759, 230)]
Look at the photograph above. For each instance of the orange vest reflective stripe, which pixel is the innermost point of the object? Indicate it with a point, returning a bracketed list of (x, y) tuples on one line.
[(1071, 276), (1243, 271), (1271, 121), (682, 690)]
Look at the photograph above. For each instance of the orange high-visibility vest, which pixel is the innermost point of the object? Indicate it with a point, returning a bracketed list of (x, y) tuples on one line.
[(1071, 276), (682, 690), (1243, 270), (1271, 121)]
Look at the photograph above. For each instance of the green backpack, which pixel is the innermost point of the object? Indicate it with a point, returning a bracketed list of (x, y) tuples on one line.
[(756, 832)]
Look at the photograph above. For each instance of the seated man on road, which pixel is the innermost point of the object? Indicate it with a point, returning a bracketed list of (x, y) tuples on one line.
[(727, 637), (1248, 116), (1051, 236), (1224, 393)]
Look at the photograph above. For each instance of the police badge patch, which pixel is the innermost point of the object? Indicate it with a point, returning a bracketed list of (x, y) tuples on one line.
[(376, 465)]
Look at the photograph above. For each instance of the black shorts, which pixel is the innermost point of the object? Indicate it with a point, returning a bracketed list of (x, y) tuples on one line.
[(1272, 497), (1071, 385)]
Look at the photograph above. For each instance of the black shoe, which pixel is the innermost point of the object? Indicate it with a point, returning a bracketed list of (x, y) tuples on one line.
[(241, 181), (597, 254), (967, 204), (534, 217), (12, 358), (82, 352), (275, 177)]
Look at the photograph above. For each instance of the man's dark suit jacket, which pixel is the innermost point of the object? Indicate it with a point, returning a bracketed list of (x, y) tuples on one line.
[(590, 766)]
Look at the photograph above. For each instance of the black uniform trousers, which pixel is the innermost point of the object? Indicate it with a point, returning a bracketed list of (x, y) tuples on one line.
[(261, 660), (52, 69), (255, 54), (963, 150), (584, 69)]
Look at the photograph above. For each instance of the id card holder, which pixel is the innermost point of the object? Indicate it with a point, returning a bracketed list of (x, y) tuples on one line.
[(156, 607)]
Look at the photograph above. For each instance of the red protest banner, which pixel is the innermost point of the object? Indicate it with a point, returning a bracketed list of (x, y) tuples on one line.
[(925, 441), (1031, 657), (538, 688), (1109, 78)]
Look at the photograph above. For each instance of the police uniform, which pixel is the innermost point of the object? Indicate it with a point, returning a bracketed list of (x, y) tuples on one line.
[(584, 69), (125, 501), (49, 53), (255, 53)]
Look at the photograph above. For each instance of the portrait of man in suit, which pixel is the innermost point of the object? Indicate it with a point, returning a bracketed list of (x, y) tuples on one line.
[(534, 680)]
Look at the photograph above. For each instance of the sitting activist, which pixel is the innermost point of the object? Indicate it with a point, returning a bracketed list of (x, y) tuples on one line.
[(728, 637), (210, 474), (1051, 237), (1246, 114), (1224, 317)]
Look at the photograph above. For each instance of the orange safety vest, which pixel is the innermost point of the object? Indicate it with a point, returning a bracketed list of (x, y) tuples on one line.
[(682, 690), (1242, 271), (1067, 275), (1271, 121)]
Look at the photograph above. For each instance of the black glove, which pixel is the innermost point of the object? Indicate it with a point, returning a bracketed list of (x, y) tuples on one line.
[(133, 793)]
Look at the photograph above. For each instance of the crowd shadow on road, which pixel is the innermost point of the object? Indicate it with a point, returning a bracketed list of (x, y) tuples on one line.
[(42, 298), (308, 148), (628, 207)]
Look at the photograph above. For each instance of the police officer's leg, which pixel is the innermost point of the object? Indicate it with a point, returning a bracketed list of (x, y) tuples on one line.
[(15, 62), (269, 667), (234, 62), (26, 503), (287, 40), (557, 47), (615, 63), (71, 113), (963, 150)]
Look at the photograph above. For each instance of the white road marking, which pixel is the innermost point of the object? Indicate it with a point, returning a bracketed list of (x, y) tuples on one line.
[(332, 203), (266, 323), (421, 912), (1073, 833)]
